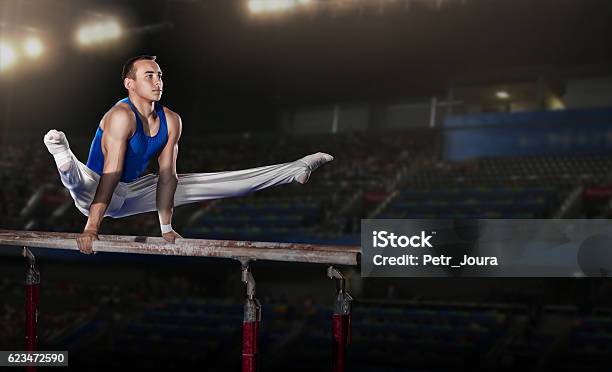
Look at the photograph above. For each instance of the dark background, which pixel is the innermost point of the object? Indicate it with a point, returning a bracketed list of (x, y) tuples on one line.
[(217, 57)]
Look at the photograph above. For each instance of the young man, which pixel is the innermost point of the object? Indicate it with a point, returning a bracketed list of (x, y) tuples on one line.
[(128, 136)]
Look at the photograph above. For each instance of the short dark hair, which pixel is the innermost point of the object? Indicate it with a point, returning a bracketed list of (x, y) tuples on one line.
[(128, 67)]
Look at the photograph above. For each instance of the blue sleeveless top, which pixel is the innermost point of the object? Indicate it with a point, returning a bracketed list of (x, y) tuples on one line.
[(141, 148)]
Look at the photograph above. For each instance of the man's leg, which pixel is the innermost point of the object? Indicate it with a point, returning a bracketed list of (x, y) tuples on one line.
[(80, 181), (140, 195)]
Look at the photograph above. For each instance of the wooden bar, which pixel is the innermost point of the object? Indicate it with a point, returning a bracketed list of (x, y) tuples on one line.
[(289, 252)]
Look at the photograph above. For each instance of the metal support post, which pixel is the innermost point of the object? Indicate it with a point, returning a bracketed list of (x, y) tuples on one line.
[(32, 289), (250, 324)]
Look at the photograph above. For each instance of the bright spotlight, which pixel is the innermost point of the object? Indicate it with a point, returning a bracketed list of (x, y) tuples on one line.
[(32, 47), (98, 32), (278, 5), (502, 95), (256, 6), (271, 6), (112, 29), (8, 57)]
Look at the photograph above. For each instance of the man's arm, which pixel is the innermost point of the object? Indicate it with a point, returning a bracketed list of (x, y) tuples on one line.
[(117, 129), (168, 179)]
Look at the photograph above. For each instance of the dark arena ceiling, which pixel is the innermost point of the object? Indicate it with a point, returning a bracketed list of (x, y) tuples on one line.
[(219, 54)]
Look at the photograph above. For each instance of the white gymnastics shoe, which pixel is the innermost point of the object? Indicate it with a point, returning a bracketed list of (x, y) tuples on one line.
[(312, 162), (58, 146)]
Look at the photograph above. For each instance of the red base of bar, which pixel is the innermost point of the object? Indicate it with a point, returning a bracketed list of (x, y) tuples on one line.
[(341, 331), (31, 312), (250, 346)]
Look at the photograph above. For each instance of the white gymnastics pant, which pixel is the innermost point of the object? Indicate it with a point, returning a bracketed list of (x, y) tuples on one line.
[(139, 196)]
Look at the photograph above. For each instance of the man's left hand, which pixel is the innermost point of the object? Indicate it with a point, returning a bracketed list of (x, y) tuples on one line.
[(171, 236)]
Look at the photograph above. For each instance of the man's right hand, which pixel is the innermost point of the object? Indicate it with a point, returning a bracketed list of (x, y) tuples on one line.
[(85, 241)]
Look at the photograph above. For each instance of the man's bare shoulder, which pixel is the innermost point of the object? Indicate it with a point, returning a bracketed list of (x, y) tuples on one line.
[(171, 115), (173, 120), (120, 120), (121, 111), (120, 116)]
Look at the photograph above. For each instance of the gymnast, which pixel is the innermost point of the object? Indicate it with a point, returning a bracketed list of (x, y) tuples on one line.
[(133, 131)]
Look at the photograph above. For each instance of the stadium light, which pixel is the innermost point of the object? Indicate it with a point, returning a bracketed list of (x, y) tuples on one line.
[(256, 6), (32, 47), (271, 6), (279, 5), (8, 57), (98, 32), (502, 94)]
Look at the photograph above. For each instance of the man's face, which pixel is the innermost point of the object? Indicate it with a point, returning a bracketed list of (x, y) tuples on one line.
[(148, 82)]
